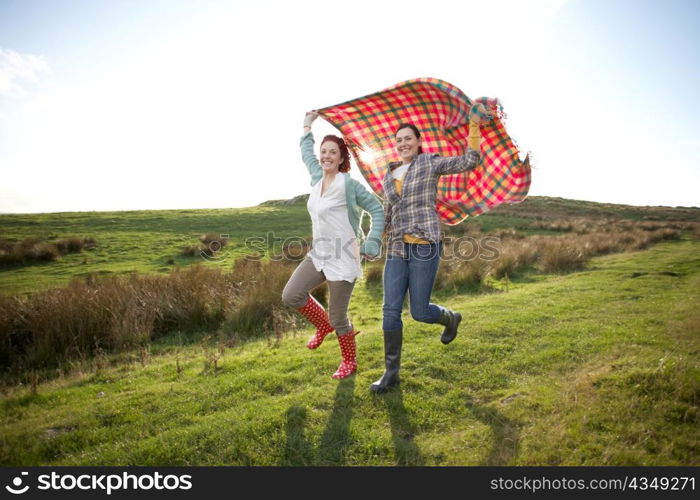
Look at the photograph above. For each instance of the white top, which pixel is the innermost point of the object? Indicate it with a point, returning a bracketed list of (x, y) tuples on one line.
[(399, 172), (335, 250)]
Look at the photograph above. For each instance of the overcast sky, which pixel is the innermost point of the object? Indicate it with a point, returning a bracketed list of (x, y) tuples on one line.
[(154, 104)]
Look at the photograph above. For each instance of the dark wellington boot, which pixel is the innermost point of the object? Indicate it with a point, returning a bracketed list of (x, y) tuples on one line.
[(451, 320), (392, 361)]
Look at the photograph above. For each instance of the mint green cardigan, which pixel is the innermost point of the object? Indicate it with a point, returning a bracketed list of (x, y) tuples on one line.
[(359, 200)]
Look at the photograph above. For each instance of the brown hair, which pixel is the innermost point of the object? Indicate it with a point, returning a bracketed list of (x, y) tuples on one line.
[(415, 132), (344, 153)]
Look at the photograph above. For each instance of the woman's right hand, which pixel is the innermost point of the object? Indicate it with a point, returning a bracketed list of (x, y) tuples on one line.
[(309, 118), (479, 113)]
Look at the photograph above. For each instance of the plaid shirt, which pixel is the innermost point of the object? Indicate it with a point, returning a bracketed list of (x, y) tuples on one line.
[(413, 211)]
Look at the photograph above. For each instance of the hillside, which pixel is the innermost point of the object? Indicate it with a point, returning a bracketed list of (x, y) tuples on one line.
[(593, 363), (591, 368), (152, 241)]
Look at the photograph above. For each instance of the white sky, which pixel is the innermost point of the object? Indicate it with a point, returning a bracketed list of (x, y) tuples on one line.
[(122, 105)]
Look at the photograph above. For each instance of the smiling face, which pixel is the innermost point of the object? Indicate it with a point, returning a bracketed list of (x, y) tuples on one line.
[(407, 144), (330, 157)]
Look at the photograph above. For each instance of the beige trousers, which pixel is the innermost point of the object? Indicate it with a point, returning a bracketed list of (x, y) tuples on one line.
[(304, 279)]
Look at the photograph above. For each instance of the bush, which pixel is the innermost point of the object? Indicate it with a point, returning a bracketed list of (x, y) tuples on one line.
[(456, 274), (515, 256), (191, 251), (120, 313), (259, 300), (211, 245), (31, 250), (562, 256)]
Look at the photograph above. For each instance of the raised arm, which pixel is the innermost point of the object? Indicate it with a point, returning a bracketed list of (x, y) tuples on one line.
[(368, 202), (472, 158), (455, 164), (307, 149)]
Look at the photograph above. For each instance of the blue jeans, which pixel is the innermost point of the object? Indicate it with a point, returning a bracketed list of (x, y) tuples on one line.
[(414, 274)]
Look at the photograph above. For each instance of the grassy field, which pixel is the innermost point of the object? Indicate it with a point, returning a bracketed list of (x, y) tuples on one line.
[(152, 241), (595, 367), (141, 241)]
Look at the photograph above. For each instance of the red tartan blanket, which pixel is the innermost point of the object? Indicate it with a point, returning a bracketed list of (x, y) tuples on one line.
[(441, 112)]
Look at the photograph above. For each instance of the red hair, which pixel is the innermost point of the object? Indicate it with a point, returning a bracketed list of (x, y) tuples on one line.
[(344, 153)]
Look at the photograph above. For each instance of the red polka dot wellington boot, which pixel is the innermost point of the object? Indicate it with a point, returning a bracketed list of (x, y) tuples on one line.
[(348, 350), (316, 314)]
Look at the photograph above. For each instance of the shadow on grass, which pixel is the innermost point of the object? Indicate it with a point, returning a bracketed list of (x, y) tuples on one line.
[(403, 432), (297, 450), (335, 439), (506, 435)]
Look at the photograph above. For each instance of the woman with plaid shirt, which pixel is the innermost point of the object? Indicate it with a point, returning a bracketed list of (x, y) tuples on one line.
[(413, 236)]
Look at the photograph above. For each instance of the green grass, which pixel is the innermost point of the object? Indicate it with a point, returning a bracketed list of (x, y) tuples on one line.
[(598, 367), (141, 241), (145, 241)]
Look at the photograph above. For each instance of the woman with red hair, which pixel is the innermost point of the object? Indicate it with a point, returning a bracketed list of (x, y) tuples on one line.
[(336, 205)]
